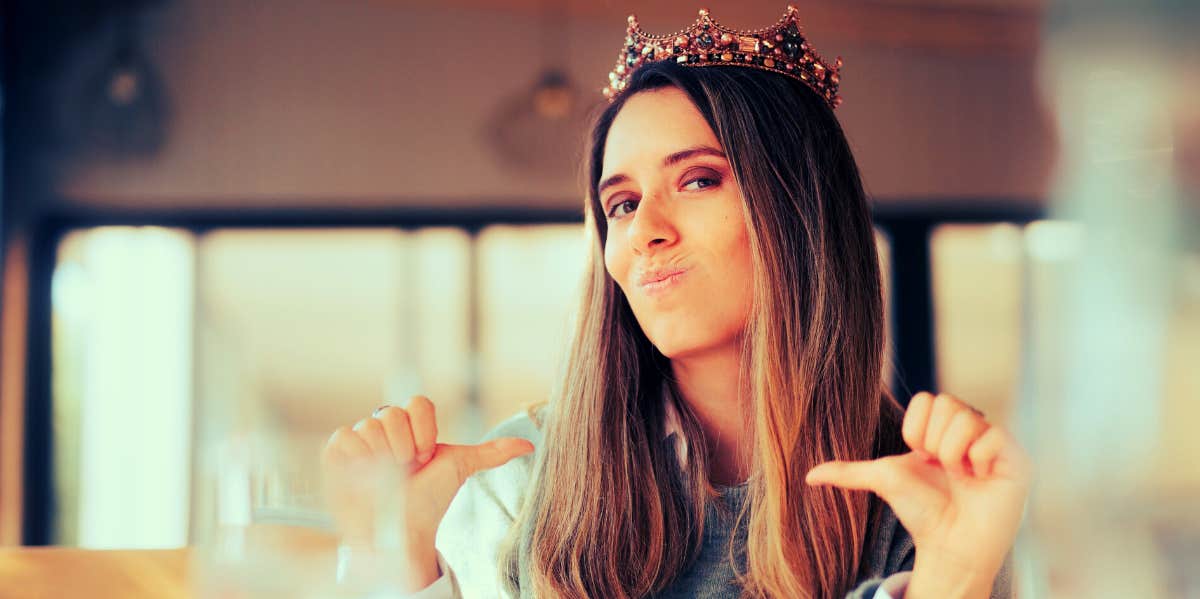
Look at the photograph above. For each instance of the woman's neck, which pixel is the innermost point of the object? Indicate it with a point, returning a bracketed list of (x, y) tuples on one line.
[(710, 386)]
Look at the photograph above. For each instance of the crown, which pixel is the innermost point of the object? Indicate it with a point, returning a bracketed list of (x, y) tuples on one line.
[(781, 48)]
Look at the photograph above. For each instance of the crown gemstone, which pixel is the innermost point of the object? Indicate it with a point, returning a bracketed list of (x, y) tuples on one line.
[(781, 48)]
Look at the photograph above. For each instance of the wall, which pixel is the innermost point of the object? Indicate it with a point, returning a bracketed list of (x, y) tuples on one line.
[(376, 103)]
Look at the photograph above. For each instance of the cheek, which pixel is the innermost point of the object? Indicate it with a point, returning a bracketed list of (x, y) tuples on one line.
[(616, 264), (745, 260), (741, 270), (737, 248)]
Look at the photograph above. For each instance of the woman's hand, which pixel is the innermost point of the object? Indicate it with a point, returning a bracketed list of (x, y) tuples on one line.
[(398, 447), (960, 493)]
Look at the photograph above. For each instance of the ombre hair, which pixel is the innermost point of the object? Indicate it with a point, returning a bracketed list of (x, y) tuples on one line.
[(612, 512)]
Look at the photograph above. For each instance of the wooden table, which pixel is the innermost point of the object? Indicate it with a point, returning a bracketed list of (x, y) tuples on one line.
[(53, 572), (62, 572)]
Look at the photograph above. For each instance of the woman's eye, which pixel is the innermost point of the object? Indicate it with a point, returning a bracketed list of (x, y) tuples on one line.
[(701, 183), (616, 208)]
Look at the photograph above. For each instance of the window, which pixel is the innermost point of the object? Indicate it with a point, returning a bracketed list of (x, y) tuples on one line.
[(291, 331)]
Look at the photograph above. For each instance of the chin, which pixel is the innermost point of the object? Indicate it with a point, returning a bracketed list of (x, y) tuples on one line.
[(693, 343), (680, 348)]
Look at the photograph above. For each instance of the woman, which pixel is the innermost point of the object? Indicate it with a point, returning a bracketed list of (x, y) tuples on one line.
[(723, 408)]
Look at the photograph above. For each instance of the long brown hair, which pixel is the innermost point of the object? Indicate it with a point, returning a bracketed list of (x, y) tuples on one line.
[(611, 512)]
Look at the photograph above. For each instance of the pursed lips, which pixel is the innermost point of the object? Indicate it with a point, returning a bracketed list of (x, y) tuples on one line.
[(658, 280), (658, 274)]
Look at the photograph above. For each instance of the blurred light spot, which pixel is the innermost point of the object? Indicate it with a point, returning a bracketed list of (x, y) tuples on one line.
[(1053, 241)]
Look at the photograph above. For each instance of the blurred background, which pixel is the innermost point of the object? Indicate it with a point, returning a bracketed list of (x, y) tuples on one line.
[(222, 217)]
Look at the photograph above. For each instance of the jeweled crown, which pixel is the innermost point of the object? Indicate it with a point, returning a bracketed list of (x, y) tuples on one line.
[(781, 48)]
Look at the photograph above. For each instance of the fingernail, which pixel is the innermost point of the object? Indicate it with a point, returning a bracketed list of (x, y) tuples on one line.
[(424, 456)]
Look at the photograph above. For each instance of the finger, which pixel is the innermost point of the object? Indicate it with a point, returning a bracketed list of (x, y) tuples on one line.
[(423, 417), (398, 431), (916, 418), (344, 444), (896, 480), (964, 429), (1012, 462), (861, 476), (370, 431), (944, 409), (473, 458), (983, 451)]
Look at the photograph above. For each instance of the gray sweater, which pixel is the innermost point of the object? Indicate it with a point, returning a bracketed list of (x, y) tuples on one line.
[(483, 510)]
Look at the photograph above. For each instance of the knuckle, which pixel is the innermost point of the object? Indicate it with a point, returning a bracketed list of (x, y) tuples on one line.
[(338, 436), (329, 452), (422, 411), (399, 419), (976, 452), (948, 454), (946, 399), (373, 425), (387, 415), (910, 433), (419, 402), (963, 418)]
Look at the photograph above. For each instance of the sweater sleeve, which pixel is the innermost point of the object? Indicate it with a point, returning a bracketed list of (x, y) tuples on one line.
[(894, 586), (445, 587), (479, 518), (476, 522), (891, 587), (360, 568)]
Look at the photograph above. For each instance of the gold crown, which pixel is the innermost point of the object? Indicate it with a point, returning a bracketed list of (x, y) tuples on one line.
[(781, 48)]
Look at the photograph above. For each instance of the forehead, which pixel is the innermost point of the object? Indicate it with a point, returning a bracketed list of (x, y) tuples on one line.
[(652, 125)]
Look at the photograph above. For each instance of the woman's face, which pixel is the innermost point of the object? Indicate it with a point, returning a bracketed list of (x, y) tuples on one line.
[(677, 242)]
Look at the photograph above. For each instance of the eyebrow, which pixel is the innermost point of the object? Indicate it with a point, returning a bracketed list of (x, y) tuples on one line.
[(670, 160)]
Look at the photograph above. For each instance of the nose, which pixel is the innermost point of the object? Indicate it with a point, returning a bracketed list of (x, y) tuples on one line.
[(652, 227)]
